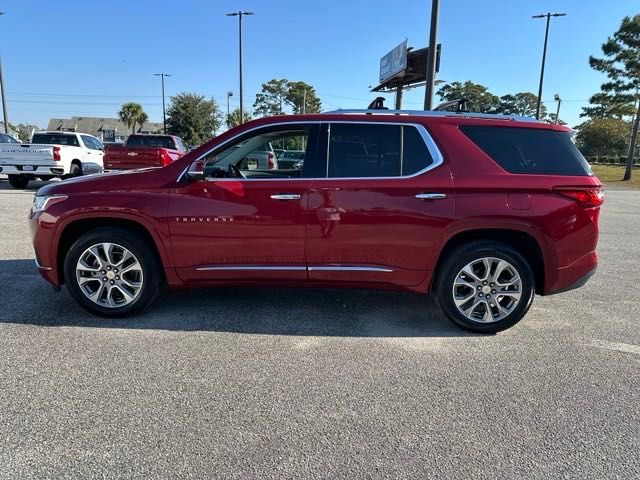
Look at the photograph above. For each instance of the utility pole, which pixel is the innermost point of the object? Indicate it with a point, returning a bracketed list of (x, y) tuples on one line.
[(4, 99), (164, 115), (304, 101), (431, 55), (240, 14), (544, 55), (557, 98)]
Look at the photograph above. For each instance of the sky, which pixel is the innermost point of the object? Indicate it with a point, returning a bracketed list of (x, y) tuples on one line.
[(87, 57)]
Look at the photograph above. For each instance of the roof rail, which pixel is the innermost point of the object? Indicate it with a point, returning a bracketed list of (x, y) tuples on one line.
[(432, 113)]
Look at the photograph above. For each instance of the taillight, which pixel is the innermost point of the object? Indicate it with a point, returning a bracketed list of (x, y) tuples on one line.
[(165, 158), (56, 154), (271, 161), (586, 197)]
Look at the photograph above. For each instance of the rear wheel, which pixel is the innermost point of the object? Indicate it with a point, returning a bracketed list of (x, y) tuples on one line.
[(485, 286), (112, 272), (76, 169), (19, 181)]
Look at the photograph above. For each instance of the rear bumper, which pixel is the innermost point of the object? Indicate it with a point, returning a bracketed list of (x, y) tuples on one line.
[(573, 276), (37, 170)]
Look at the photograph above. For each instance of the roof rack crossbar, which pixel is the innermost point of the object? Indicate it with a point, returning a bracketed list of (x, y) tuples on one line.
[(431, 113)]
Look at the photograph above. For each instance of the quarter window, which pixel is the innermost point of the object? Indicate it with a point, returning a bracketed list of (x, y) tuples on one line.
[(370, 150)]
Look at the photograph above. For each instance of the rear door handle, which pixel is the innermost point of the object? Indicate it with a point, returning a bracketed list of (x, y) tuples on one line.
[(431, 196), (285, 196)]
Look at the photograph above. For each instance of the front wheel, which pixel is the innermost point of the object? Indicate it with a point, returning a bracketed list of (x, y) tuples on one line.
[(112, 272), (19, 181), (485, 286)]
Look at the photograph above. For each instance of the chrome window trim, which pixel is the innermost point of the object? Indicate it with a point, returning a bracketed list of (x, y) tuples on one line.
[(430, 143)]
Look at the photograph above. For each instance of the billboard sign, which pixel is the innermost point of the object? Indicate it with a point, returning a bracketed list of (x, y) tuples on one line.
[(393, 62)]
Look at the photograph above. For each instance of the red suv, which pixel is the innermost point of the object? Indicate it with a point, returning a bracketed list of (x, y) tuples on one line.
[(482, 210)]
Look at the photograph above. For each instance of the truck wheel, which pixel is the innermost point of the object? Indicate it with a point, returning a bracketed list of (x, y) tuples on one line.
[(113, 272), (76, 169), (485, 286), (19, 181)]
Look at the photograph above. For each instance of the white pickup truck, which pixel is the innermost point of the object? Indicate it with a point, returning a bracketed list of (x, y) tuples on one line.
[(51, 154)]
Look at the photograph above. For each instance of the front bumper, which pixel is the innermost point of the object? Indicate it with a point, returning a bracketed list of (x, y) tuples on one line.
[(41, 227)]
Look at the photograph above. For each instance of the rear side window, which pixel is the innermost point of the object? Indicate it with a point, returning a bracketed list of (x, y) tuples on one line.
[(370, 150), (55, 139), (150, 142), (529, 150)]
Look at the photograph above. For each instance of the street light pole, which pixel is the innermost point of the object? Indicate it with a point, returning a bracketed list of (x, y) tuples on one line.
[(4, 100), (240, 14), (431, 55), (544, 56), (559, 100), (164, 115), (229, 95)]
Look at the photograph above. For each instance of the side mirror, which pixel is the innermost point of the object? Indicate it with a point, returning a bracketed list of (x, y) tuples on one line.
[(196, 171)]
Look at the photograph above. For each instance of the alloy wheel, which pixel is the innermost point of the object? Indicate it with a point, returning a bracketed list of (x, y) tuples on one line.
[(487, 289), (109, 275)]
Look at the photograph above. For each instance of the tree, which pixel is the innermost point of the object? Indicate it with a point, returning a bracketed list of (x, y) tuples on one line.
[(621, 64), (302, 98), (604, 105), (552, 119), (193, 118), (602, 136), (272, 98), (480, 99), (24, 131), (132, 114), (233, 119), (523, 103)]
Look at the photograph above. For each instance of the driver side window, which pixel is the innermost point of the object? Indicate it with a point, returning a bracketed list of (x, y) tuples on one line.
[(268, 154)]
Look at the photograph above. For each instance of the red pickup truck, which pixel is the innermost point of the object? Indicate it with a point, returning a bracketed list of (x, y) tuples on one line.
[(142, 151)]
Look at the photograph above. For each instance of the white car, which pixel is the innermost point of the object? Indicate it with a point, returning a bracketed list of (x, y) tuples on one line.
[(51, 154)]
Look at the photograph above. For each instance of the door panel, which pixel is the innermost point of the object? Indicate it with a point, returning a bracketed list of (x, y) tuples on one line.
[(376, 230), (234, 229), (367, 229)]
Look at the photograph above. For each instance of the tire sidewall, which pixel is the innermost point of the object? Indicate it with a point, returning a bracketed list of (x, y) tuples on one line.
[(138, 247), (461, 257)]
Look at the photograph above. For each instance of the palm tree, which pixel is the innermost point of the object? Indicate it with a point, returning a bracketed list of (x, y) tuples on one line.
[(132, 114), (142, 118)]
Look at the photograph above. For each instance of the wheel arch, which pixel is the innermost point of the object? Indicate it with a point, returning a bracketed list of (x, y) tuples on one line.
[(523, 242), (74, 229)]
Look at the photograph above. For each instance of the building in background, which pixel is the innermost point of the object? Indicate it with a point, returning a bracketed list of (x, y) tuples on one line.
[(106, 129)]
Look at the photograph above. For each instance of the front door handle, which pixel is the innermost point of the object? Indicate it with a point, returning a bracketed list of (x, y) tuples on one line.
[(285, 196), (431, 196)]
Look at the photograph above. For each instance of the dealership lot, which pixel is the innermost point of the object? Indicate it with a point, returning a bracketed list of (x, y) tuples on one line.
[(259, 383)]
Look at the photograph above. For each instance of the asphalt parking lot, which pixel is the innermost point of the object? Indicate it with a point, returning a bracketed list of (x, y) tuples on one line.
[(255, 383)]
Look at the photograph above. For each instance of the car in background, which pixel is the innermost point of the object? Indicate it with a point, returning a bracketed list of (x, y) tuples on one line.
[(6, 138), (51, 154), (291, 159), (143, 151), (484, 211)]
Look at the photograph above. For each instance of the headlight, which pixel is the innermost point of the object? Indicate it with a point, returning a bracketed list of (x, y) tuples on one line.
[(40, 203)]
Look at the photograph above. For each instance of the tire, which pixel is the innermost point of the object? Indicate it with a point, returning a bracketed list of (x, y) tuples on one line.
[(101, 277), (76, 169), (19, 181), (480, 306)]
